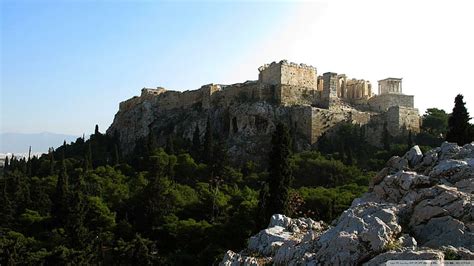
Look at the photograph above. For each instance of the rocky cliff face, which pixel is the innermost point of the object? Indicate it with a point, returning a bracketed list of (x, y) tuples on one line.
[(419, 207), (246, 127)]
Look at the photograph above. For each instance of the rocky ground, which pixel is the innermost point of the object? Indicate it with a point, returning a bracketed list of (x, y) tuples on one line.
[(419, 207)]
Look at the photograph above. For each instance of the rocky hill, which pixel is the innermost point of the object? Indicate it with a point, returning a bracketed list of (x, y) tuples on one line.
[(243, 115), (419, 207)]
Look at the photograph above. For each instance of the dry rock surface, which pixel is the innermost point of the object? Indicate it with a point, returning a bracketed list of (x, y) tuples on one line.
[(419, 207)]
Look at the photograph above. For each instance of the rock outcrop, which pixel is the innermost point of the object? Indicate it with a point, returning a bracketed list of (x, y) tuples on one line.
[(419, 207)]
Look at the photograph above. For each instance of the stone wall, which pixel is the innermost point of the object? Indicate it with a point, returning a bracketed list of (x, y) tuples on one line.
[(270, 74), (299, 75), (295, 95), (402, 119), (381, 103), (329, 94), (287, 73), (288, 92), (240, 92)]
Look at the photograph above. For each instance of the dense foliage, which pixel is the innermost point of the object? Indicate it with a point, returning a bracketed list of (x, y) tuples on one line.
[(84, 203)]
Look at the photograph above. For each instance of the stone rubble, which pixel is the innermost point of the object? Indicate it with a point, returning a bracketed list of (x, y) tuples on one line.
[(419, 207)]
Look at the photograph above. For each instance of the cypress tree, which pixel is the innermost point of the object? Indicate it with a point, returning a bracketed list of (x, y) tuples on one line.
[(28, 164), (76, 213), (60, 200), (151, 142), (51, 161), (6, 211), (458, 123), (280, 176), (410, 142), (208, 143), (265, 212), (386, 137), (6, 164), (196, 149), (89, 156), (170, 145), (96, 130), (116, 155)]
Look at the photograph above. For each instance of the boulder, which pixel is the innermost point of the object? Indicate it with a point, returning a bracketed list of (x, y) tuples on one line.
[(423, 254), (414, 156)]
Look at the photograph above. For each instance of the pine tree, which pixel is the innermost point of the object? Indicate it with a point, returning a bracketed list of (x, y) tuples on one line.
[(96, 130), (280, 176), (458, 123), (208, 143), (60, 200)]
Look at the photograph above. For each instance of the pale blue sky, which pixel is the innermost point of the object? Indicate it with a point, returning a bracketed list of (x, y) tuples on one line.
[(65, 65)]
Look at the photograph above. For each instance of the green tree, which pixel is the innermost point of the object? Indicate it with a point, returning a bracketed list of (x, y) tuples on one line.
[(60, 199), (386, 137), (51, 161), (6, 211), (435, 122), (152, 145), (76, 214), (458, 123), (196, 148), (170, 144), (116, 155), (280, 176)]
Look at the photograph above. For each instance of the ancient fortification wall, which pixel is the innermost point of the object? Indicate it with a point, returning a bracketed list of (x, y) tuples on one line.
[(315, 104), (401, 119), (383, 102)]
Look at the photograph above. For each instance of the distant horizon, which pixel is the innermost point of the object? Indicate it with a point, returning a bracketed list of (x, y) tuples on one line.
[(65, 66)]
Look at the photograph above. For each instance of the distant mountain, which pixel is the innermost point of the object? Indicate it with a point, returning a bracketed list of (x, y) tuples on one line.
[(39, 142)]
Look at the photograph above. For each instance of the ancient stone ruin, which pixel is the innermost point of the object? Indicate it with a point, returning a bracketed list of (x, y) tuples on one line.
[(310, 104)]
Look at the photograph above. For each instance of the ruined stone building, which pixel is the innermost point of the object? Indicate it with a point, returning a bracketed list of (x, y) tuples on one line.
[(245, 114)]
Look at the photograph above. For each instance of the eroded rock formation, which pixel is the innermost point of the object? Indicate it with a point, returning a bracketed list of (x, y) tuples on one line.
[(419, 207)]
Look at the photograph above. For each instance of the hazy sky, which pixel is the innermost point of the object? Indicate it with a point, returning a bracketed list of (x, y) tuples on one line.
[(66, 65)]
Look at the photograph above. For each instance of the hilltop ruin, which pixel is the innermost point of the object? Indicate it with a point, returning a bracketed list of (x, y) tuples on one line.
[(310, 104)]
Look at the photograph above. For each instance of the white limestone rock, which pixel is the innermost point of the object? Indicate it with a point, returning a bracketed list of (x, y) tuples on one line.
[(454, 170), (448, 150), (423, 254), (407, 242), (235, 259), (443, 231), (414, 156)]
